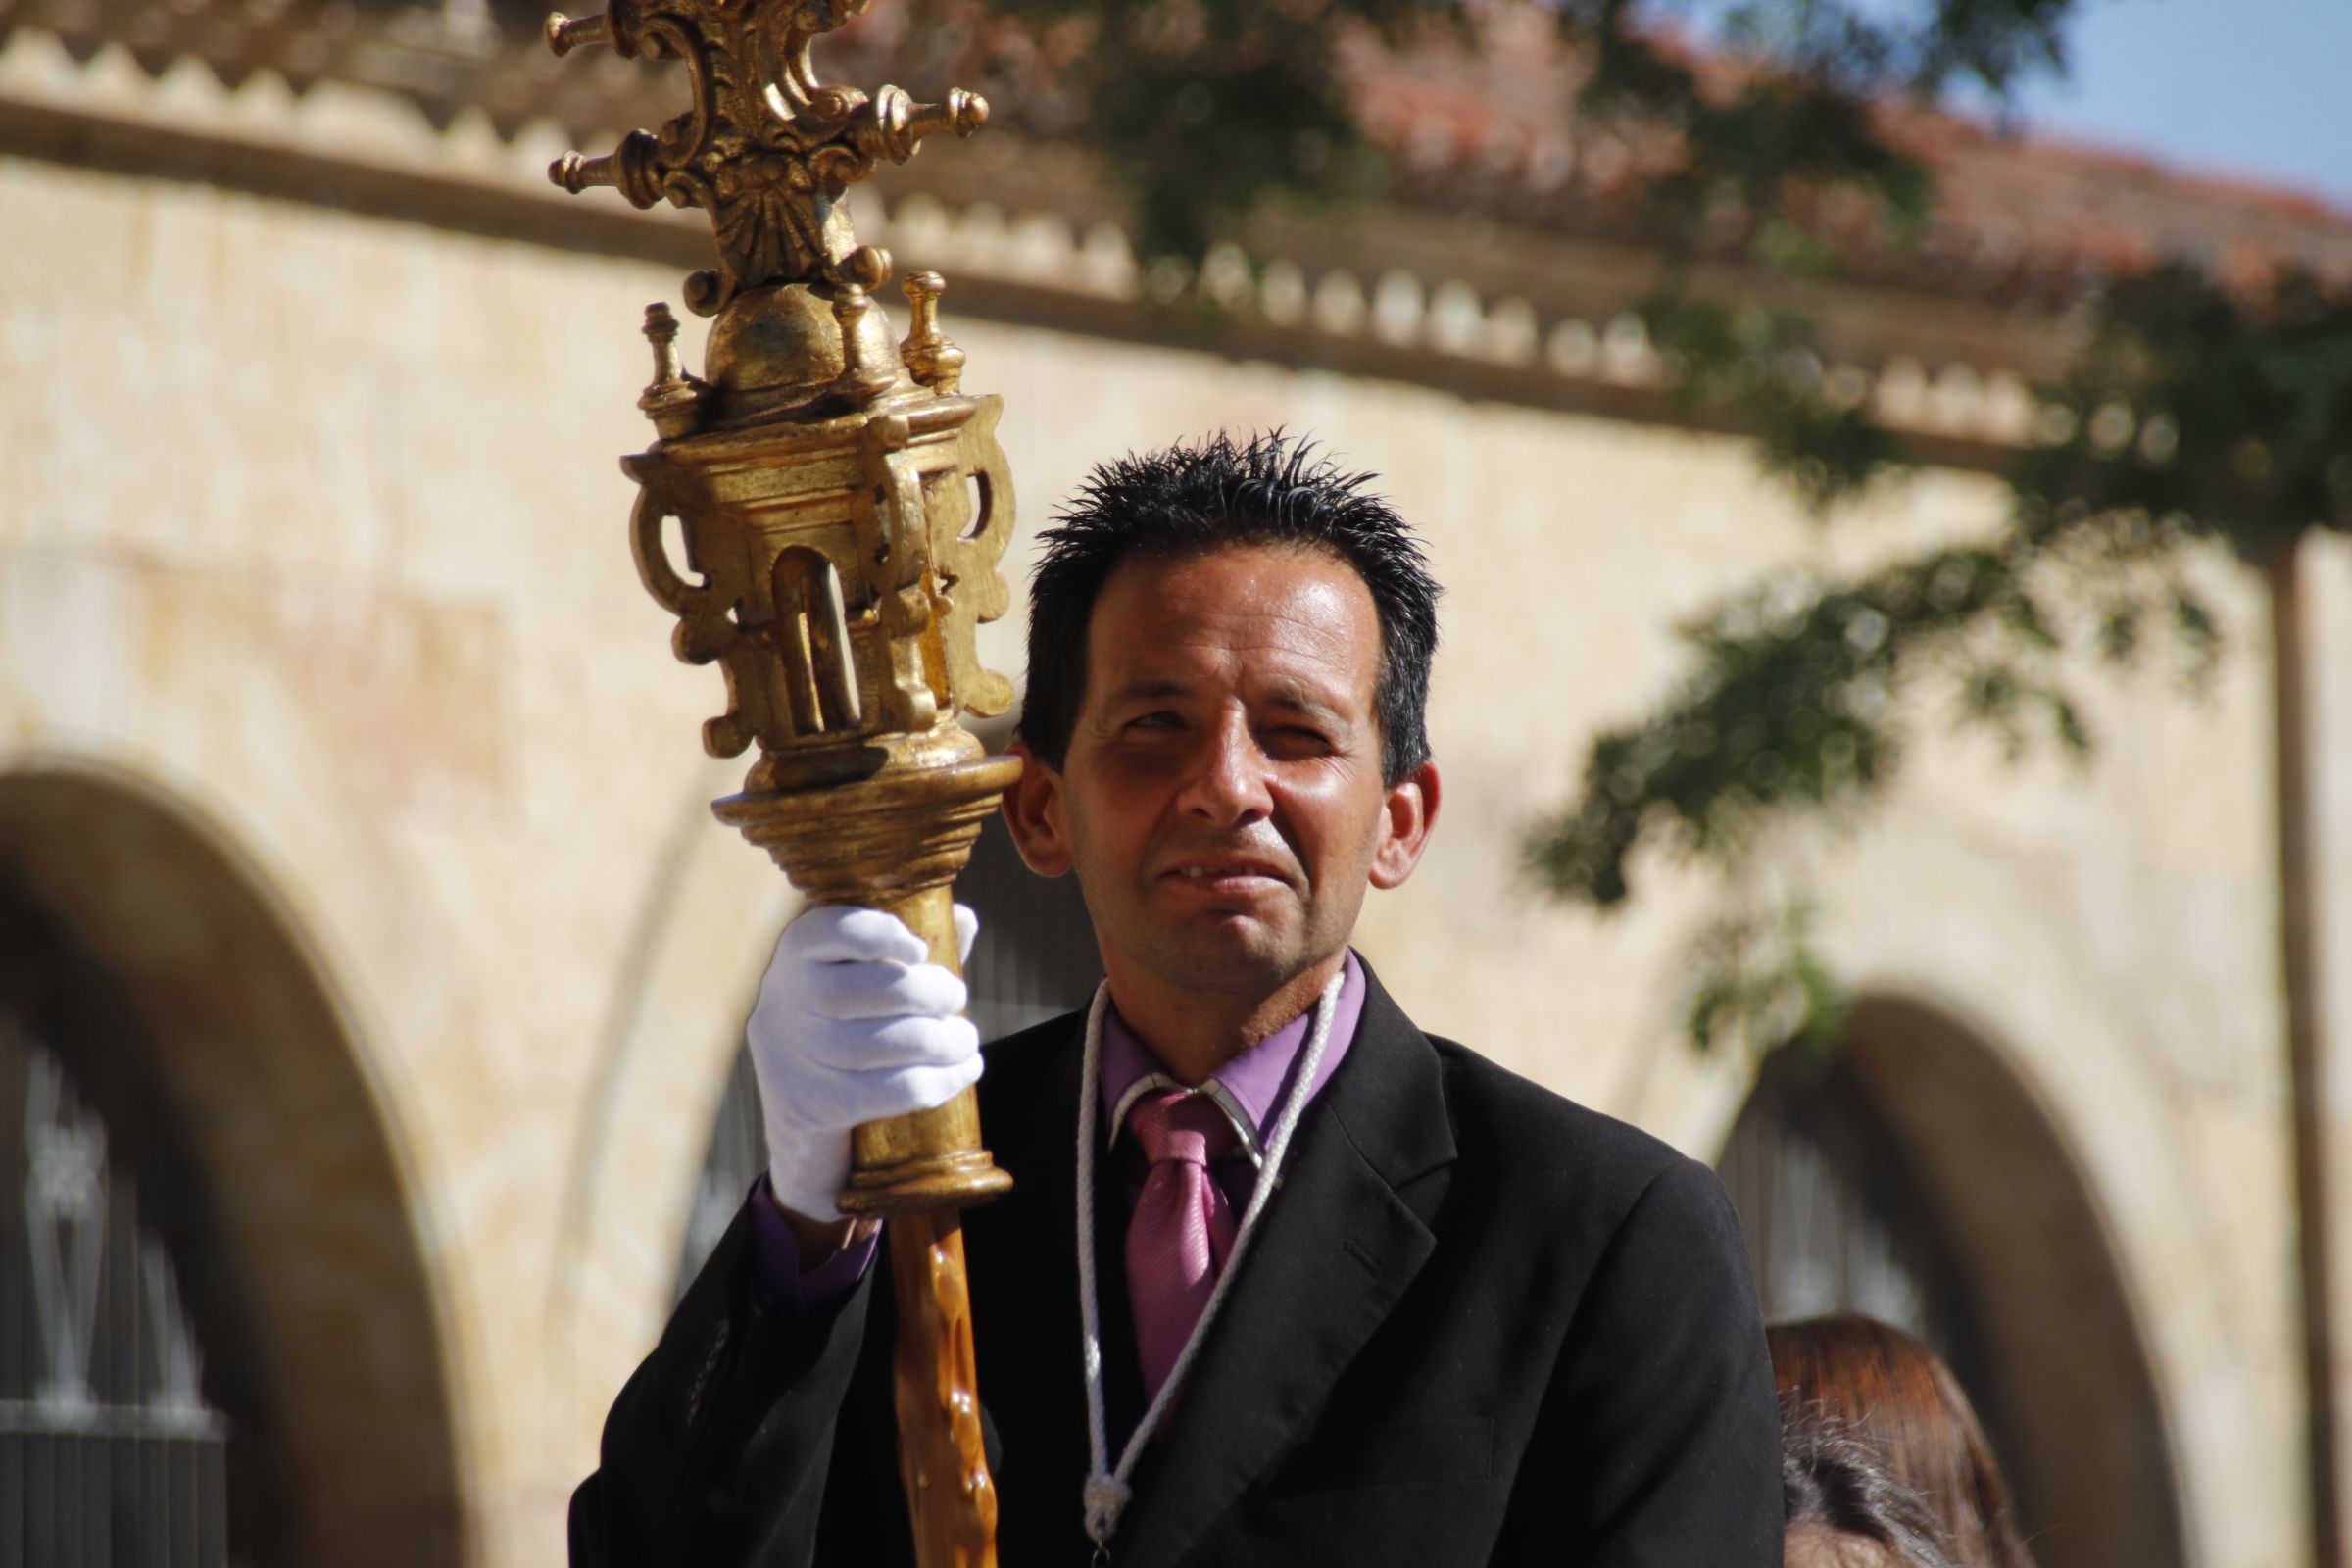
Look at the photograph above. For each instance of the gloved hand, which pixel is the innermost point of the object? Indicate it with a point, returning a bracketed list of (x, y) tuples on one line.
[(853, 1024)]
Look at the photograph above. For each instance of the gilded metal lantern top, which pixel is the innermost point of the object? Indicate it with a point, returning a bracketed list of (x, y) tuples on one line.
[(770, 153), (843, 501)]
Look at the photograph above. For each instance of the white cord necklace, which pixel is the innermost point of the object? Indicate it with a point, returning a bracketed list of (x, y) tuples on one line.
[(1106, 1490)]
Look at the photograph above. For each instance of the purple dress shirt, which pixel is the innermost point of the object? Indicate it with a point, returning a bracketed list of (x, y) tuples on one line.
[(781, 1284), (1249, 1090)]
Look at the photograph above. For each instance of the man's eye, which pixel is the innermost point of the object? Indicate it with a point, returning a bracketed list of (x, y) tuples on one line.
[(1160, 719)]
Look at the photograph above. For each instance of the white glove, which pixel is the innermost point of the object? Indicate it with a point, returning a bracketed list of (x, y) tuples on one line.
[(853, 1025)]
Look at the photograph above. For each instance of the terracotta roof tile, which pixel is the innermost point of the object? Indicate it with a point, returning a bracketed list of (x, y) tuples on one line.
[(2016, 210), (1486, 133)]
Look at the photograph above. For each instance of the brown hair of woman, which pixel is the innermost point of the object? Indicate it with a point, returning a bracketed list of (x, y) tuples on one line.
[(1891, 1394)]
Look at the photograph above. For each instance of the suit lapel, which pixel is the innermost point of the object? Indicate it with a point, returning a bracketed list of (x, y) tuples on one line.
[(1023, 1255), (1337, 1248)]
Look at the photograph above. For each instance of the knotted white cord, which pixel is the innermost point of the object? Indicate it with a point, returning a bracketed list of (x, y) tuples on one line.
[(1106, 1490)]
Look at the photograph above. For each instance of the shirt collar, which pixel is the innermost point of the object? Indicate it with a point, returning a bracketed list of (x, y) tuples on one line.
[(1249, 1088)]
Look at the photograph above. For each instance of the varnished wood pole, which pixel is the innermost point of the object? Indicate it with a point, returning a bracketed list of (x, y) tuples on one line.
[(943, 1460), (950, 1499)]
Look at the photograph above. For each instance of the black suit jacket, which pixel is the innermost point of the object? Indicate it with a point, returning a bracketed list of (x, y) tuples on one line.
[(1481, 1325)]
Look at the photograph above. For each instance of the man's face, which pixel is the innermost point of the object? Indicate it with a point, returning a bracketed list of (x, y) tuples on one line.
[(1221, 797)]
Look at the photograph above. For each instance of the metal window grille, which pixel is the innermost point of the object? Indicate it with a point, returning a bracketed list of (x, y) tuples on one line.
[(110, 1453), (1036, 958), (1834, 1219)]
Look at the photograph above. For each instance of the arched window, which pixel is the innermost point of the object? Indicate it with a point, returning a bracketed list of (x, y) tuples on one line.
[(1913, 1176), (1833, 1217), (1036, 958), (110, 1450), (220, 1334)]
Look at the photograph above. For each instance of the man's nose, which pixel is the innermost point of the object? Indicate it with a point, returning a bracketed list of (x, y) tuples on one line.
[(1228, 782)]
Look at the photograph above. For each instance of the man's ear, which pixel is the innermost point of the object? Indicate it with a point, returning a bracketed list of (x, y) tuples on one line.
[(1407, 813), (1033, 812)]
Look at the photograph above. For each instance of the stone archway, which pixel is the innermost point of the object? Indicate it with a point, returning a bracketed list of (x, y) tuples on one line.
[(217, 1028), (1990, 1188), (703, 934)]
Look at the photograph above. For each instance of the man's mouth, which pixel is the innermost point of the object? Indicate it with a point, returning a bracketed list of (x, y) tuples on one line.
[(1221, 873)]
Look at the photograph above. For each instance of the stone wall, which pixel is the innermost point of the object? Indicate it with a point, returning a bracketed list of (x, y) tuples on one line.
[(311, 522)]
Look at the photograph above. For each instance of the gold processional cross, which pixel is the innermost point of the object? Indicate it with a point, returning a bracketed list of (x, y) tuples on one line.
[(844, 506)]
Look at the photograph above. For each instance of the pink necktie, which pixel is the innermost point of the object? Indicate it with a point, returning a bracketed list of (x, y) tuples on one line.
[(1182, 1227)]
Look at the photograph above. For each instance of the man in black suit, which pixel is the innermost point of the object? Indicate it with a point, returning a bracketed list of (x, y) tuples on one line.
[(1361, 1295)]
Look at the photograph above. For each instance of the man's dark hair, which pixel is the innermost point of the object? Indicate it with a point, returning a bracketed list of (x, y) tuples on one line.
[(1192, 500)]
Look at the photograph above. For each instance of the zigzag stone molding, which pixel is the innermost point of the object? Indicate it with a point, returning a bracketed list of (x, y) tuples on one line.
[(1533, 318)]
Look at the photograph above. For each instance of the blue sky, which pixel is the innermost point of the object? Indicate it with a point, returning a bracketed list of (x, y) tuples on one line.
[(2257, 89), (2252, 89)]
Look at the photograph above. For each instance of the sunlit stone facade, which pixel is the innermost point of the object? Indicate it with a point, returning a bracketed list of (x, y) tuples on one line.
[(325, 677)]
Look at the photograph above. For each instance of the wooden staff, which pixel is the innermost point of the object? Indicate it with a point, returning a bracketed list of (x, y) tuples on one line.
[(918, 1170), (823, 482)]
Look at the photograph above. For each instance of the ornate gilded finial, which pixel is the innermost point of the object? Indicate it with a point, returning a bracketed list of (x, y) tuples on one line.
[(566, 34), (930, 358), (765, 149), (673, 400), (861, 377)]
